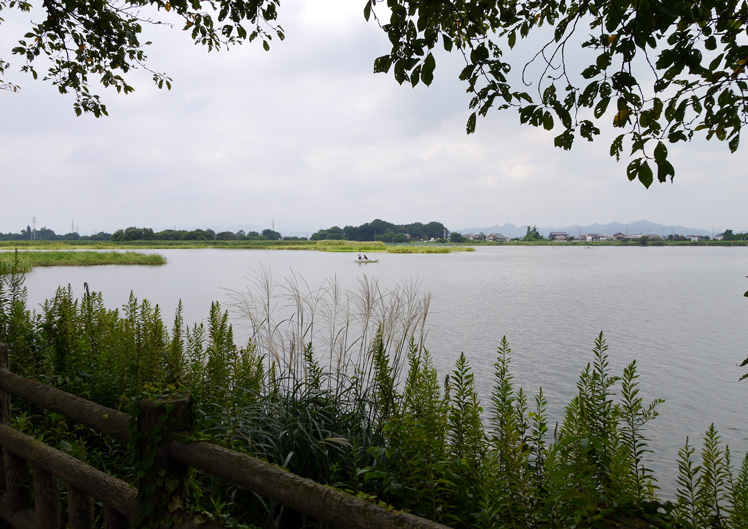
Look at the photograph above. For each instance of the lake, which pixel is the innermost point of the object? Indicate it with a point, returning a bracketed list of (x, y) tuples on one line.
[(678, 311)]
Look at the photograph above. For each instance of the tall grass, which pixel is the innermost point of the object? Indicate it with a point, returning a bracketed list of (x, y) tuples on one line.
[(337, 385), (24, 261)]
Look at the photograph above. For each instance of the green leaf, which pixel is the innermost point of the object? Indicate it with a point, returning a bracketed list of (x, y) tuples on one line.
[(601, 107), (734, 143), (632, 171), (660, 152), (564, 141), (563, 115), (471, 123), (382, 64), (665, 170), (617, 147), (590, 72), (645, 174), (547, 121), (427, 73), (415, 75)]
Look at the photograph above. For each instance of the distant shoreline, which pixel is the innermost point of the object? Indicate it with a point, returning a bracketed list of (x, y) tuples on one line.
[(321, 246), (334, 245)]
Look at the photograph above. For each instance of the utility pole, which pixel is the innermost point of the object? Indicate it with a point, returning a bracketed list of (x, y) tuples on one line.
[(33, 223)]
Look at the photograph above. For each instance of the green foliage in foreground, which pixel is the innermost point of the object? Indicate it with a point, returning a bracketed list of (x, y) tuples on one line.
[(24, 261), (368, 414)]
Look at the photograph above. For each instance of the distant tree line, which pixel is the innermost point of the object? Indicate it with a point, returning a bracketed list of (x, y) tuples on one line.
[(45, 234), (380, 230), (147, 234), (728, 235), (144, 234)]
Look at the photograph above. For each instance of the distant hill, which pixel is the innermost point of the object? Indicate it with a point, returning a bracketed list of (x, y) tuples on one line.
[(643, 227)]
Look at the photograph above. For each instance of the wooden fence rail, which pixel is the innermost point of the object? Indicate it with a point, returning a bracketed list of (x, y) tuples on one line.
[(123, 507)]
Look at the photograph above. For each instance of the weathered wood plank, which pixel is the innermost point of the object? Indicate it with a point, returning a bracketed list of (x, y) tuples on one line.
[(80, 509), (4, 409), (46, 499), (158, 420), (99, 485), (308, 497), (107, 420), (16, 477)]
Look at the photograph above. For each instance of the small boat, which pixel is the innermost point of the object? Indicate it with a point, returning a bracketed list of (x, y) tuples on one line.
[(366, 260)]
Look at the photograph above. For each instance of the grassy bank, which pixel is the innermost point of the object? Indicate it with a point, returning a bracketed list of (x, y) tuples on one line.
[(380, 247), (320, 246), (24, 261)]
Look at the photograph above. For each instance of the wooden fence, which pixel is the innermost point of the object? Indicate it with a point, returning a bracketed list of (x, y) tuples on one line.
[(168, 461)]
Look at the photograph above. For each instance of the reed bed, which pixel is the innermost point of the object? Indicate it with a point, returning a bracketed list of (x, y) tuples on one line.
[(25, 261), (340, 324)]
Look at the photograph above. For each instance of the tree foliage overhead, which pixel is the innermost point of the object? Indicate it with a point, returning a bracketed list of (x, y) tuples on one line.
[(658, 71), (89, 41)]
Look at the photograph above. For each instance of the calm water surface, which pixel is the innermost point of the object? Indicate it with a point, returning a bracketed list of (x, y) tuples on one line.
[(679, 312)]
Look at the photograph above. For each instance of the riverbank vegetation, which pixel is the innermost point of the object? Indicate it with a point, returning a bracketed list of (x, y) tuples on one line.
[(377, 230), (339, 386), (24, 261), (284, 244)]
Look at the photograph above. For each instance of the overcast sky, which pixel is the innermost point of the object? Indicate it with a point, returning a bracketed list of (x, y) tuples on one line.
[(307, 137)]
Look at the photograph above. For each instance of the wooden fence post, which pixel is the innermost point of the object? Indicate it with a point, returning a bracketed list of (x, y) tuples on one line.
[(46, 499), (80, 509), (15, 470), (162, 484), (4, 408)]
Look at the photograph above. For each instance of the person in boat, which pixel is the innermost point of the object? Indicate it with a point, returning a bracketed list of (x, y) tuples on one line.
[(359, 256), (365, 258)]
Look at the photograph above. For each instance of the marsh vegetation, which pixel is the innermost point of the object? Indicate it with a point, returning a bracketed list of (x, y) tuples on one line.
[(24, 261)]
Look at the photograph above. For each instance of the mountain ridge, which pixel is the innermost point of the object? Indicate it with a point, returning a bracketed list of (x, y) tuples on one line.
[(643, 227)]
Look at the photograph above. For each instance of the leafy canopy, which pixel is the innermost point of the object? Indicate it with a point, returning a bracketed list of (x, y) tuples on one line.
[(657, 71), (100, 40)]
